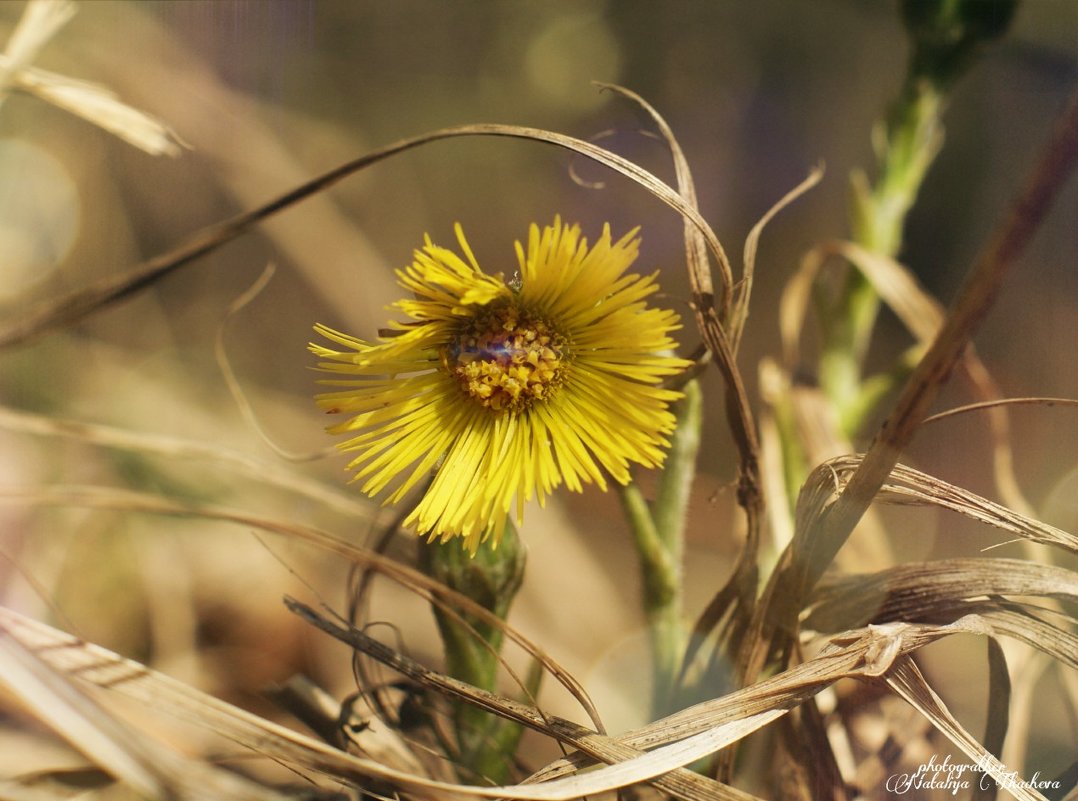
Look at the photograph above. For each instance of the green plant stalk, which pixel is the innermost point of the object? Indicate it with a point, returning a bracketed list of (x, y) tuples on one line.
[(946, 36), (485, 743), (906, 148), (659, 535), (794, 462), (661, 575), (675, 482)]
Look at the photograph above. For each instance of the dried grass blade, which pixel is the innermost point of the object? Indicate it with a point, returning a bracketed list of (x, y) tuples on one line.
[(861, 652), (411, 579), (897, 287), (40, 21), (732, 605), (909, 486), (918, 591), (923, 316), (99, 667), (1021, 624), (999, 402), (774, 384), (794, 304), (696, 248), (82, 303), (104, 436), (864, 653), (149, 768), (102, 668), (908, 682), (998, 712), (100, 106), (679, 783), (752, 244), (78, 719), (813, 550), (921, 313), (232, 382)]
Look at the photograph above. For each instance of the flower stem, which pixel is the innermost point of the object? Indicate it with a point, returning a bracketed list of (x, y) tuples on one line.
[(491, 578), (910, 142), (945, 36), (659, 534)]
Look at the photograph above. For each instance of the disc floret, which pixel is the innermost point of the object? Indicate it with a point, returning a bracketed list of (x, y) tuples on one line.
[(507, 359)]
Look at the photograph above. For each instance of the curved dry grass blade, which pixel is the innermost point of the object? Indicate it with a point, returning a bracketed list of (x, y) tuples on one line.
[(922, 316), (102, 668), (993, 404), (908, 486), (817, 499), (220, 352), (53, 701), (774, 384), (1020, 624), (814, 429), (733, 604), (794, 303), (916, 591), (742, 583), (96, 104), (679, 783), (149, 768), (267, 472), (899, 288), (99, 667), (775, 622), (863, 652), (1005, 619), (692, 733), (907, 681), (696, 248), (912, 486), (413, 580), (752, 243), (82, 303), (997, 717)]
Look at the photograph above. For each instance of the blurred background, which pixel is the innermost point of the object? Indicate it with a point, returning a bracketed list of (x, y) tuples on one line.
[(269, 93)]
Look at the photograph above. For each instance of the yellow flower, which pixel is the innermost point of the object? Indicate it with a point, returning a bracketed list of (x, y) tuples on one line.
[(505, 389)]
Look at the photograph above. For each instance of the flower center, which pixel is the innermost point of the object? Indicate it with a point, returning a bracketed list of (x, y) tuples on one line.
[(506, 359)]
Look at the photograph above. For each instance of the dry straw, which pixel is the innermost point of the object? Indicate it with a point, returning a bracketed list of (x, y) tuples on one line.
[(789, 645)]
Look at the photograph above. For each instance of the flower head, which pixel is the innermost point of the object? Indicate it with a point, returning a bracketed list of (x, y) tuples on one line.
[(506, 389)]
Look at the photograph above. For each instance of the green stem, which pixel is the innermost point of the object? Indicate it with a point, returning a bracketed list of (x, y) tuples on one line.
[(675, 482), (662, 593), (910, 142), (659, 534), (945, 36), (490, 577)]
